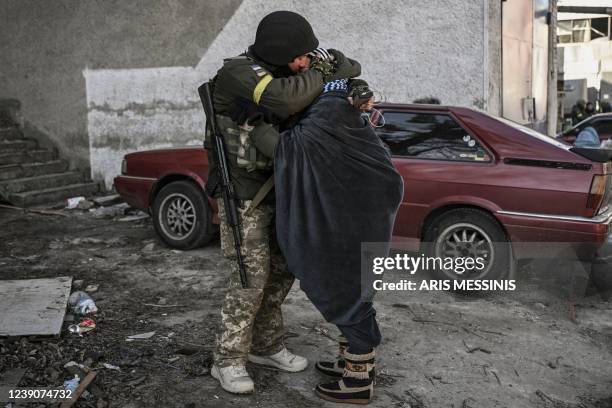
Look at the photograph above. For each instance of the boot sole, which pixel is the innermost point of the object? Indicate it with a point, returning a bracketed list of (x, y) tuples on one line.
[(342, 401), (214, 374)]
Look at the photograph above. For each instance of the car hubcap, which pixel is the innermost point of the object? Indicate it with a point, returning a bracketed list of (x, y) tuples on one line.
[(177, 216), (466, 241)]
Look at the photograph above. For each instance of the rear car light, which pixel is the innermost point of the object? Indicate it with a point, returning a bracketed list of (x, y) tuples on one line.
[(600, 190), (124, 167)]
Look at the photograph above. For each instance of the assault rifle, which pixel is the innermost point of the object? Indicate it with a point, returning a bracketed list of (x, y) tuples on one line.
[(227, 189)]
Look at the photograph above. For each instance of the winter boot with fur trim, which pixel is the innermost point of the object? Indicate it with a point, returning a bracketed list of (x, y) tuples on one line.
[(334, 368), (357, 383)]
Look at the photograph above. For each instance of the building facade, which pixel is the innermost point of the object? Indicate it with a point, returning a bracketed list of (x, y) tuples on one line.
[(102, 79)]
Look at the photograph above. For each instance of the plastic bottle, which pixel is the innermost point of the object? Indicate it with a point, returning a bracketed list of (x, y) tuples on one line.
[(82, 303)]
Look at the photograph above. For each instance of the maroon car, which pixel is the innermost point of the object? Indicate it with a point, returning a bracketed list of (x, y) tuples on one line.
[(471, 180)]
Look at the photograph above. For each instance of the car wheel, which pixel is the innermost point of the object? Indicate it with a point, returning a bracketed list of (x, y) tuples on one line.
[(182, 216), (469, 233)]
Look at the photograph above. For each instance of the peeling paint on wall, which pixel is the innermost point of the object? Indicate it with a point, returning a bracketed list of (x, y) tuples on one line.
[(140, 109)]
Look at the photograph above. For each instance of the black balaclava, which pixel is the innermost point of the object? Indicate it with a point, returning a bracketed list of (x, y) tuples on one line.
[(282, 36)]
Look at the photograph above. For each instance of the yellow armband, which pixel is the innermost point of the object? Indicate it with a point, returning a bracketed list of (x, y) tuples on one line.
[(261, 87)]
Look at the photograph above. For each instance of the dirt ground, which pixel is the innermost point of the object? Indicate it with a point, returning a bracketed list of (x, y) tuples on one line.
[(514, 349)]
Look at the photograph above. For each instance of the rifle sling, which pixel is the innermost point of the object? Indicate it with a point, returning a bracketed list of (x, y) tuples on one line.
[(260, 195)]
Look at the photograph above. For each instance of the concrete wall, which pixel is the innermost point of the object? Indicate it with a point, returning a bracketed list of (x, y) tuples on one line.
[(103, 78), (46, 46), (441, 47)]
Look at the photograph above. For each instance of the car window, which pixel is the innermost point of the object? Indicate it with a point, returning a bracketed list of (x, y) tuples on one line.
[(429, 136), (603, 126)]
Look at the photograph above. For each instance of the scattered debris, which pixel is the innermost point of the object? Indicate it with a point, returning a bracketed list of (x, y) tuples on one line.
[(111, 211), (80, 389), (385, 379), (75, 364), (111, 367), (85, 205), (78, 283), (140, 336), (84, 327), (82, 303), (72, 384), (149, 247), (108, 200), (477, 348), (93, 288), (73, 202), (554, 365), (86, 240)]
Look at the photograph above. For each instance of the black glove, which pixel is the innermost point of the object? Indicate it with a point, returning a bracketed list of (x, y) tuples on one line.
[(345, 67), (244, 111)]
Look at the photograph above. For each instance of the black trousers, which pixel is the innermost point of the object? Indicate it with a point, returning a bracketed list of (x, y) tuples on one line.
[(362, 337)]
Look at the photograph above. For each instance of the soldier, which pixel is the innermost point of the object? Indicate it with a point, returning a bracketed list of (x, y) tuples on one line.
[(274, 74)]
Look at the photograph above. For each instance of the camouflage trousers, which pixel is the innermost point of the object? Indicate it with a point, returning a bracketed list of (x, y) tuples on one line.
[(251, 318)]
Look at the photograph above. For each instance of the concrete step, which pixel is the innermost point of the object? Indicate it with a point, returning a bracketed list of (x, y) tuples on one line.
[(9, 146), (13, 171), (52, 195), (29, 156), (47, 181), (11, 133)]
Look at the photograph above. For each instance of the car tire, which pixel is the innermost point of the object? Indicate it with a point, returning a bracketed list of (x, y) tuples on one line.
[(469, 232), (182, 216)]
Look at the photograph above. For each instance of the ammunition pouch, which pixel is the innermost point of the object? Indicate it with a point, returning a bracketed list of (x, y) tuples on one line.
[(239, 146)]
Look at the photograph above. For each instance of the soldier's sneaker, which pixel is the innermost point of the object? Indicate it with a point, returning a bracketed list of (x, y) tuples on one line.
[(234, 379), (283, 360)]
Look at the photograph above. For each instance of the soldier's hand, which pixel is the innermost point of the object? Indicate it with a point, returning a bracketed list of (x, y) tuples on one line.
[(243, 111), (344, 67)]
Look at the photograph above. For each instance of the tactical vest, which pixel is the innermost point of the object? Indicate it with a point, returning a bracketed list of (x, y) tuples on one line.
[(237, 139)]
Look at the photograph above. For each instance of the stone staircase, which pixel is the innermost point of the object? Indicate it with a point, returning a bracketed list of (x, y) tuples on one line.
[(30, 175)]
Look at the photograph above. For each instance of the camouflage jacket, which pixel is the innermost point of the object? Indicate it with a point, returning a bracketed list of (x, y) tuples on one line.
[(244, 77)]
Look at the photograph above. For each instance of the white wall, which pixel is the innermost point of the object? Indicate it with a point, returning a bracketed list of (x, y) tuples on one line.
[(407, 49)]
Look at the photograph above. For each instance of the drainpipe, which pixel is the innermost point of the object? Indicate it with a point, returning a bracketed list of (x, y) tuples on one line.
[(551, 108)]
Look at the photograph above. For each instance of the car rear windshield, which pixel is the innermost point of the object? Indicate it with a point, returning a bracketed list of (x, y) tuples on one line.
[(533, 133)]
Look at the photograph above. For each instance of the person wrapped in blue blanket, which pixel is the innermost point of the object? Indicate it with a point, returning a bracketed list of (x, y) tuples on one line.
[(336, 188)]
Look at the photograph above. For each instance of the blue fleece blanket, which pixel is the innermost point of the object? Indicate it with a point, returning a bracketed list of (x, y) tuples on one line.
[(336, 187)]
